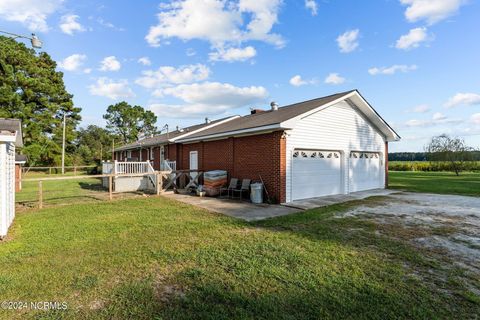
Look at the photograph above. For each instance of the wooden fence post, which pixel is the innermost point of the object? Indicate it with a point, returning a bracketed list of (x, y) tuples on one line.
[(75, 170), (40, 194), (159, 183), (110, 187)]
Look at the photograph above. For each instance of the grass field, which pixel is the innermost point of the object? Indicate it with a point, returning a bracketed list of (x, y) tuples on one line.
[(63, 192), (468, 183), (154, 258)]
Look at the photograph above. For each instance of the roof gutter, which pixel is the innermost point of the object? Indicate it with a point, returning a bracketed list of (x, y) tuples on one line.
[(248, 131), (202, 128)]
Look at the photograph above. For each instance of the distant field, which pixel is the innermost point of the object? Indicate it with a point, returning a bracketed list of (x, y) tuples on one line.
[(468, 183), (430, 166)]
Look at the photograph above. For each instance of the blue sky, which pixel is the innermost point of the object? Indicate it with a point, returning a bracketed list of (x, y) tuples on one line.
[(415, 61)]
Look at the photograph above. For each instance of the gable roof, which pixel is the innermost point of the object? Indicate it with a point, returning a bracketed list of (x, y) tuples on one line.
[(282, 119), (285, 118), (171, 136), (13, 126), (266, 118)]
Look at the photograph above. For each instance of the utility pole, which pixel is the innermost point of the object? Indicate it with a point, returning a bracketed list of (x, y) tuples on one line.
[(113, 149), (63, 145)]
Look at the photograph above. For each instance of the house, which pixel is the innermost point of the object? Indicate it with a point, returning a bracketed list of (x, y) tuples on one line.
[(10, 137), (331, 145)]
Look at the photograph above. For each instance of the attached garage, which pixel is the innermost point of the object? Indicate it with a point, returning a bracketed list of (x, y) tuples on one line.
[(365, 171), (316, 173)]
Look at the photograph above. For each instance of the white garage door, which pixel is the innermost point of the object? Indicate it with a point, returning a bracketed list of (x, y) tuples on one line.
[(365, 171), (316, 173)]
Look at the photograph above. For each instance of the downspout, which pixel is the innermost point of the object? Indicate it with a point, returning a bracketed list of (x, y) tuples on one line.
[(386, 164)]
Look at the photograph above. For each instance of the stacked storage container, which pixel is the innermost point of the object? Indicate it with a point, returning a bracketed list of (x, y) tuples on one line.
[(213, 181)]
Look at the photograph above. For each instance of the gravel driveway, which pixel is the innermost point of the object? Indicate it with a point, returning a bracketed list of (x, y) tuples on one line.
[(446, 224)]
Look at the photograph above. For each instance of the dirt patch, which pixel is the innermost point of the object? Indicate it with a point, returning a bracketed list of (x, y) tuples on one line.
[(445, 225)]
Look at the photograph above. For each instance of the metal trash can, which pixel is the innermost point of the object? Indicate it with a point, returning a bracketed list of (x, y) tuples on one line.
[(256, 192)]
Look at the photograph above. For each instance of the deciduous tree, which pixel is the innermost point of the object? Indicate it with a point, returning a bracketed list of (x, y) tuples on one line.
[(453, 150), (128, 122)]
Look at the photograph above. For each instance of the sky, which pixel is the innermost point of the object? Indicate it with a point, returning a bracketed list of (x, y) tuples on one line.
[(415, 61)]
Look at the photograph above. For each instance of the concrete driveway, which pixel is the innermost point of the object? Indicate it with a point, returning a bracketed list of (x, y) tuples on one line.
[(319, 202)]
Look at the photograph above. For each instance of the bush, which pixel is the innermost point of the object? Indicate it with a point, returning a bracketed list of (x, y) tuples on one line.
[(431, 166)]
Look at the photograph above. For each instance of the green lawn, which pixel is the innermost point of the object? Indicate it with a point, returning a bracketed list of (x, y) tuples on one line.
[(153, 258), (63, 192), (468, 183)]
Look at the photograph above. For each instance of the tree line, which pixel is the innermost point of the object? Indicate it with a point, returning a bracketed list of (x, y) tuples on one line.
[(33, 91), (423, 156)]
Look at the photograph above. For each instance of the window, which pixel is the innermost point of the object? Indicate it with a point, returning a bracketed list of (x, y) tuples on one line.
[(152, 153), (129, 154)]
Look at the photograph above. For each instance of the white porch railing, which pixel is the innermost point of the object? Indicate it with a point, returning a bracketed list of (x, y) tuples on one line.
[(168, 165), (131, 167)]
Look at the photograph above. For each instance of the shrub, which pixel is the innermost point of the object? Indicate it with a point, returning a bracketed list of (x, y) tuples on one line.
[(431, 166)]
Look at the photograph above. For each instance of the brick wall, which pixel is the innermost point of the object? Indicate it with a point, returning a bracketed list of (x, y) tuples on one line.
[(244, 158), (18, 177)]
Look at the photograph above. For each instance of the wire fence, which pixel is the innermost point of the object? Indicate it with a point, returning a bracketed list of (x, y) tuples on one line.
[(45, 190), (32, 172)]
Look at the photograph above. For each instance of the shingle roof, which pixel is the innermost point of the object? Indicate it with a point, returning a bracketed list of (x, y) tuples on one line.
[(12, 125), (164, 138), (268, 117), (261, 119), (20, 158)]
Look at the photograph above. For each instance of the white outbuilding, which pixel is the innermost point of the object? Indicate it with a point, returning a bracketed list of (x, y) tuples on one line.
[(10, 138)]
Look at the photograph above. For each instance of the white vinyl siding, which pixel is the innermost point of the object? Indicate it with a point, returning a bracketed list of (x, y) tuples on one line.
[(7, 186), (340, 128)]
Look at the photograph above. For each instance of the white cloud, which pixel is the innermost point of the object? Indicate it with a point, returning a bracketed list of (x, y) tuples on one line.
[(439, 116), (233, 54), (228, 23), (298, 81), (312, 6), (167, 75), (208, 98), (348, 41), (109, 25), (109, 88), (422, 108), (73, 62), (69, 24), (334, 78), (87, 70), (31, 13), (412, 39), (437, 119), (475, 118), (469, 99), (431, 10), (110, 64), (392, 70), (145, 61)]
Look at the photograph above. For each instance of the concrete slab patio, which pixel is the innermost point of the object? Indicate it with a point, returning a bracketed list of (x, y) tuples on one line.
[(252, 212), (319, 202), (234, 208)]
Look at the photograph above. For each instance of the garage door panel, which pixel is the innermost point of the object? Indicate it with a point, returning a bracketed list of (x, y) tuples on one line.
[(315, 173), (364, 171)]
